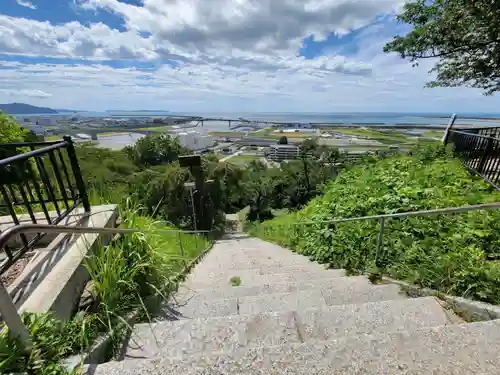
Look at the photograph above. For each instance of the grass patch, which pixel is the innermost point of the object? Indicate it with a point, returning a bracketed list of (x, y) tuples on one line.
[(434, 134), (442, 252), (235, 281), (265, 131), (123, 276), (290, 135), (228, 134), (156, 128), (242, 159), (383, 136), (54, 138)]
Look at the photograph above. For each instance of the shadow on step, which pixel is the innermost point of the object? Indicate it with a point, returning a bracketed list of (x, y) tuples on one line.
[(235, 236), (169, 311)]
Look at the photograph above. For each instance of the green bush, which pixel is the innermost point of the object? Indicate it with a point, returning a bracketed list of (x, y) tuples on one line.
[(123, 275), (444, 252)]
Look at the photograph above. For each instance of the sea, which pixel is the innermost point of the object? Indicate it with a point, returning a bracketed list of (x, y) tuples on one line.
[(363, 118)]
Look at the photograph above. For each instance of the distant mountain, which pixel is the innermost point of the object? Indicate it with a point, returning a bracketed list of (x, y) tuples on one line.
[(24, 109), (136, 110), (61, 110)]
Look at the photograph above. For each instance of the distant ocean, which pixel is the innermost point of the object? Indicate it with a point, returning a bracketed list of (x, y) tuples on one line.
[(364, 118)]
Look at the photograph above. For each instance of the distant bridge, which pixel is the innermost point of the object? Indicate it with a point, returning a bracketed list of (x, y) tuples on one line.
[(94, 132)]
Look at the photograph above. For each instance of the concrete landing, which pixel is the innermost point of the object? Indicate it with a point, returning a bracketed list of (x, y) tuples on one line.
[(203, 336), (454, 349), (55, 277)]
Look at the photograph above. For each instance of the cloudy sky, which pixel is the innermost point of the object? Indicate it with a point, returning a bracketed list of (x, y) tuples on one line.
[(215, 55)]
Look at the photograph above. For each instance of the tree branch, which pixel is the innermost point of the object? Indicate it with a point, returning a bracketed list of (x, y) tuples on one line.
[(464, 48)]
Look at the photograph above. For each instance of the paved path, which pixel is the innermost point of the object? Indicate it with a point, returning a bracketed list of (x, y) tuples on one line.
[(251, 307), (230, 156)]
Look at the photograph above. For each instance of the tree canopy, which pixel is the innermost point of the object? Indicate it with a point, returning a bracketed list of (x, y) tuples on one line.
[(463, 35), (283, 140)]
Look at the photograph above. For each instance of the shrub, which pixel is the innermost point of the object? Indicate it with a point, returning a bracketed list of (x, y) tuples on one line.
[(445, 252)]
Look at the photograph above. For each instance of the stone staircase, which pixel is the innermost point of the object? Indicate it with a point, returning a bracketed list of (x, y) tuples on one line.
[(292, 316)]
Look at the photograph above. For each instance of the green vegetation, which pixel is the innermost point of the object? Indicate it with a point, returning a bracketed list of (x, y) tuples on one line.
[(462, 35), (434, 133), (260, 132), (156, 128), (385, 137), (235, 281), (443, 252), (228, 134), (53, 138), (124, 275), (278, 136), (135, 268), (242, 160)]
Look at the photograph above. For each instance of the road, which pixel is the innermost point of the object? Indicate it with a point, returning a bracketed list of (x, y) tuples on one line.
[(230, 156)]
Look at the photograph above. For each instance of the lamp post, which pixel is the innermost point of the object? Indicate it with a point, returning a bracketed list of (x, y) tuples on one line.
[(191, 187)]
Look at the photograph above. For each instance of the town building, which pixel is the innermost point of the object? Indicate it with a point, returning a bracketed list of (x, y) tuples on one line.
[(279, 153), (194, 140)]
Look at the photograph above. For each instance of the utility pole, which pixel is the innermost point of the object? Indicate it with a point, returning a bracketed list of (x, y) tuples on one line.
[(200, 219)]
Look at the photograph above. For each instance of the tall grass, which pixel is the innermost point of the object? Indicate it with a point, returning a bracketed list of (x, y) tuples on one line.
[(124, 275)]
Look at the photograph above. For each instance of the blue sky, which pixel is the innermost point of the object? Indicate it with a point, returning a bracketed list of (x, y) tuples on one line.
[(218, 55)]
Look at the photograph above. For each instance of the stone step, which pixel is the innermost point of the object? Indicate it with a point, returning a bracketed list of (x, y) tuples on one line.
[(204, 336), (251, 277), (267, 264), (243, 261), (323, 296), (339, 285), (249, 305), (453, 349)]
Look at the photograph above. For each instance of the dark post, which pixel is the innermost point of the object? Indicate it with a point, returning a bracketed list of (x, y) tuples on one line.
[(484, 157), (448, 129), (193, 162), (80, 184)]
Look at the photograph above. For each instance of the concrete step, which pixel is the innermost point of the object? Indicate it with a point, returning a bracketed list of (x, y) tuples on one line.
[(453, 349), (323, 296), (248, 305), (242, 261), (266, 264), (199, 280), (249, 253), (335, 286), (204, 336)]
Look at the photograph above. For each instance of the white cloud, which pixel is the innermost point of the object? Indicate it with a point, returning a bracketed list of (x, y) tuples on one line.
[(214, 87), (30, 93), (21, 36), (263, 26), (26, 4), (191, 29), (221, 55)]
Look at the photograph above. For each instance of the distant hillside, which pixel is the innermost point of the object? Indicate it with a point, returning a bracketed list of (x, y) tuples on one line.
[(59, 110), (24, 109)]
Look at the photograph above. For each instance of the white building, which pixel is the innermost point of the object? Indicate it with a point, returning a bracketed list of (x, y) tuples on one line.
[(194, 140), (281, 153), (39, 120)]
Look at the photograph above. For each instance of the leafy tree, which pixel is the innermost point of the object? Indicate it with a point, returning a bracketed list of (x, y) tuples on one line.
[(283, 140), (155, 150), (463, 35), (10, 132)]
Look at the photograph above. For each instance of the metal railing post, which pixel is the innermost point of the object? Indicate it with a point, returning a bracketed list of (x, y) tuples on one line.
[(182, 248), (380, 243), (80, 184), (10, 316), (484, 157), (448, 129)]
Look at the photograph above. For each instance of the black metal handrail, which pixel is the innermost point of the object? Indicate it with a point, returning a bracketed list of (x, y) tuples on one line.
[(41, 180), (490, 131), (479, 150)]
